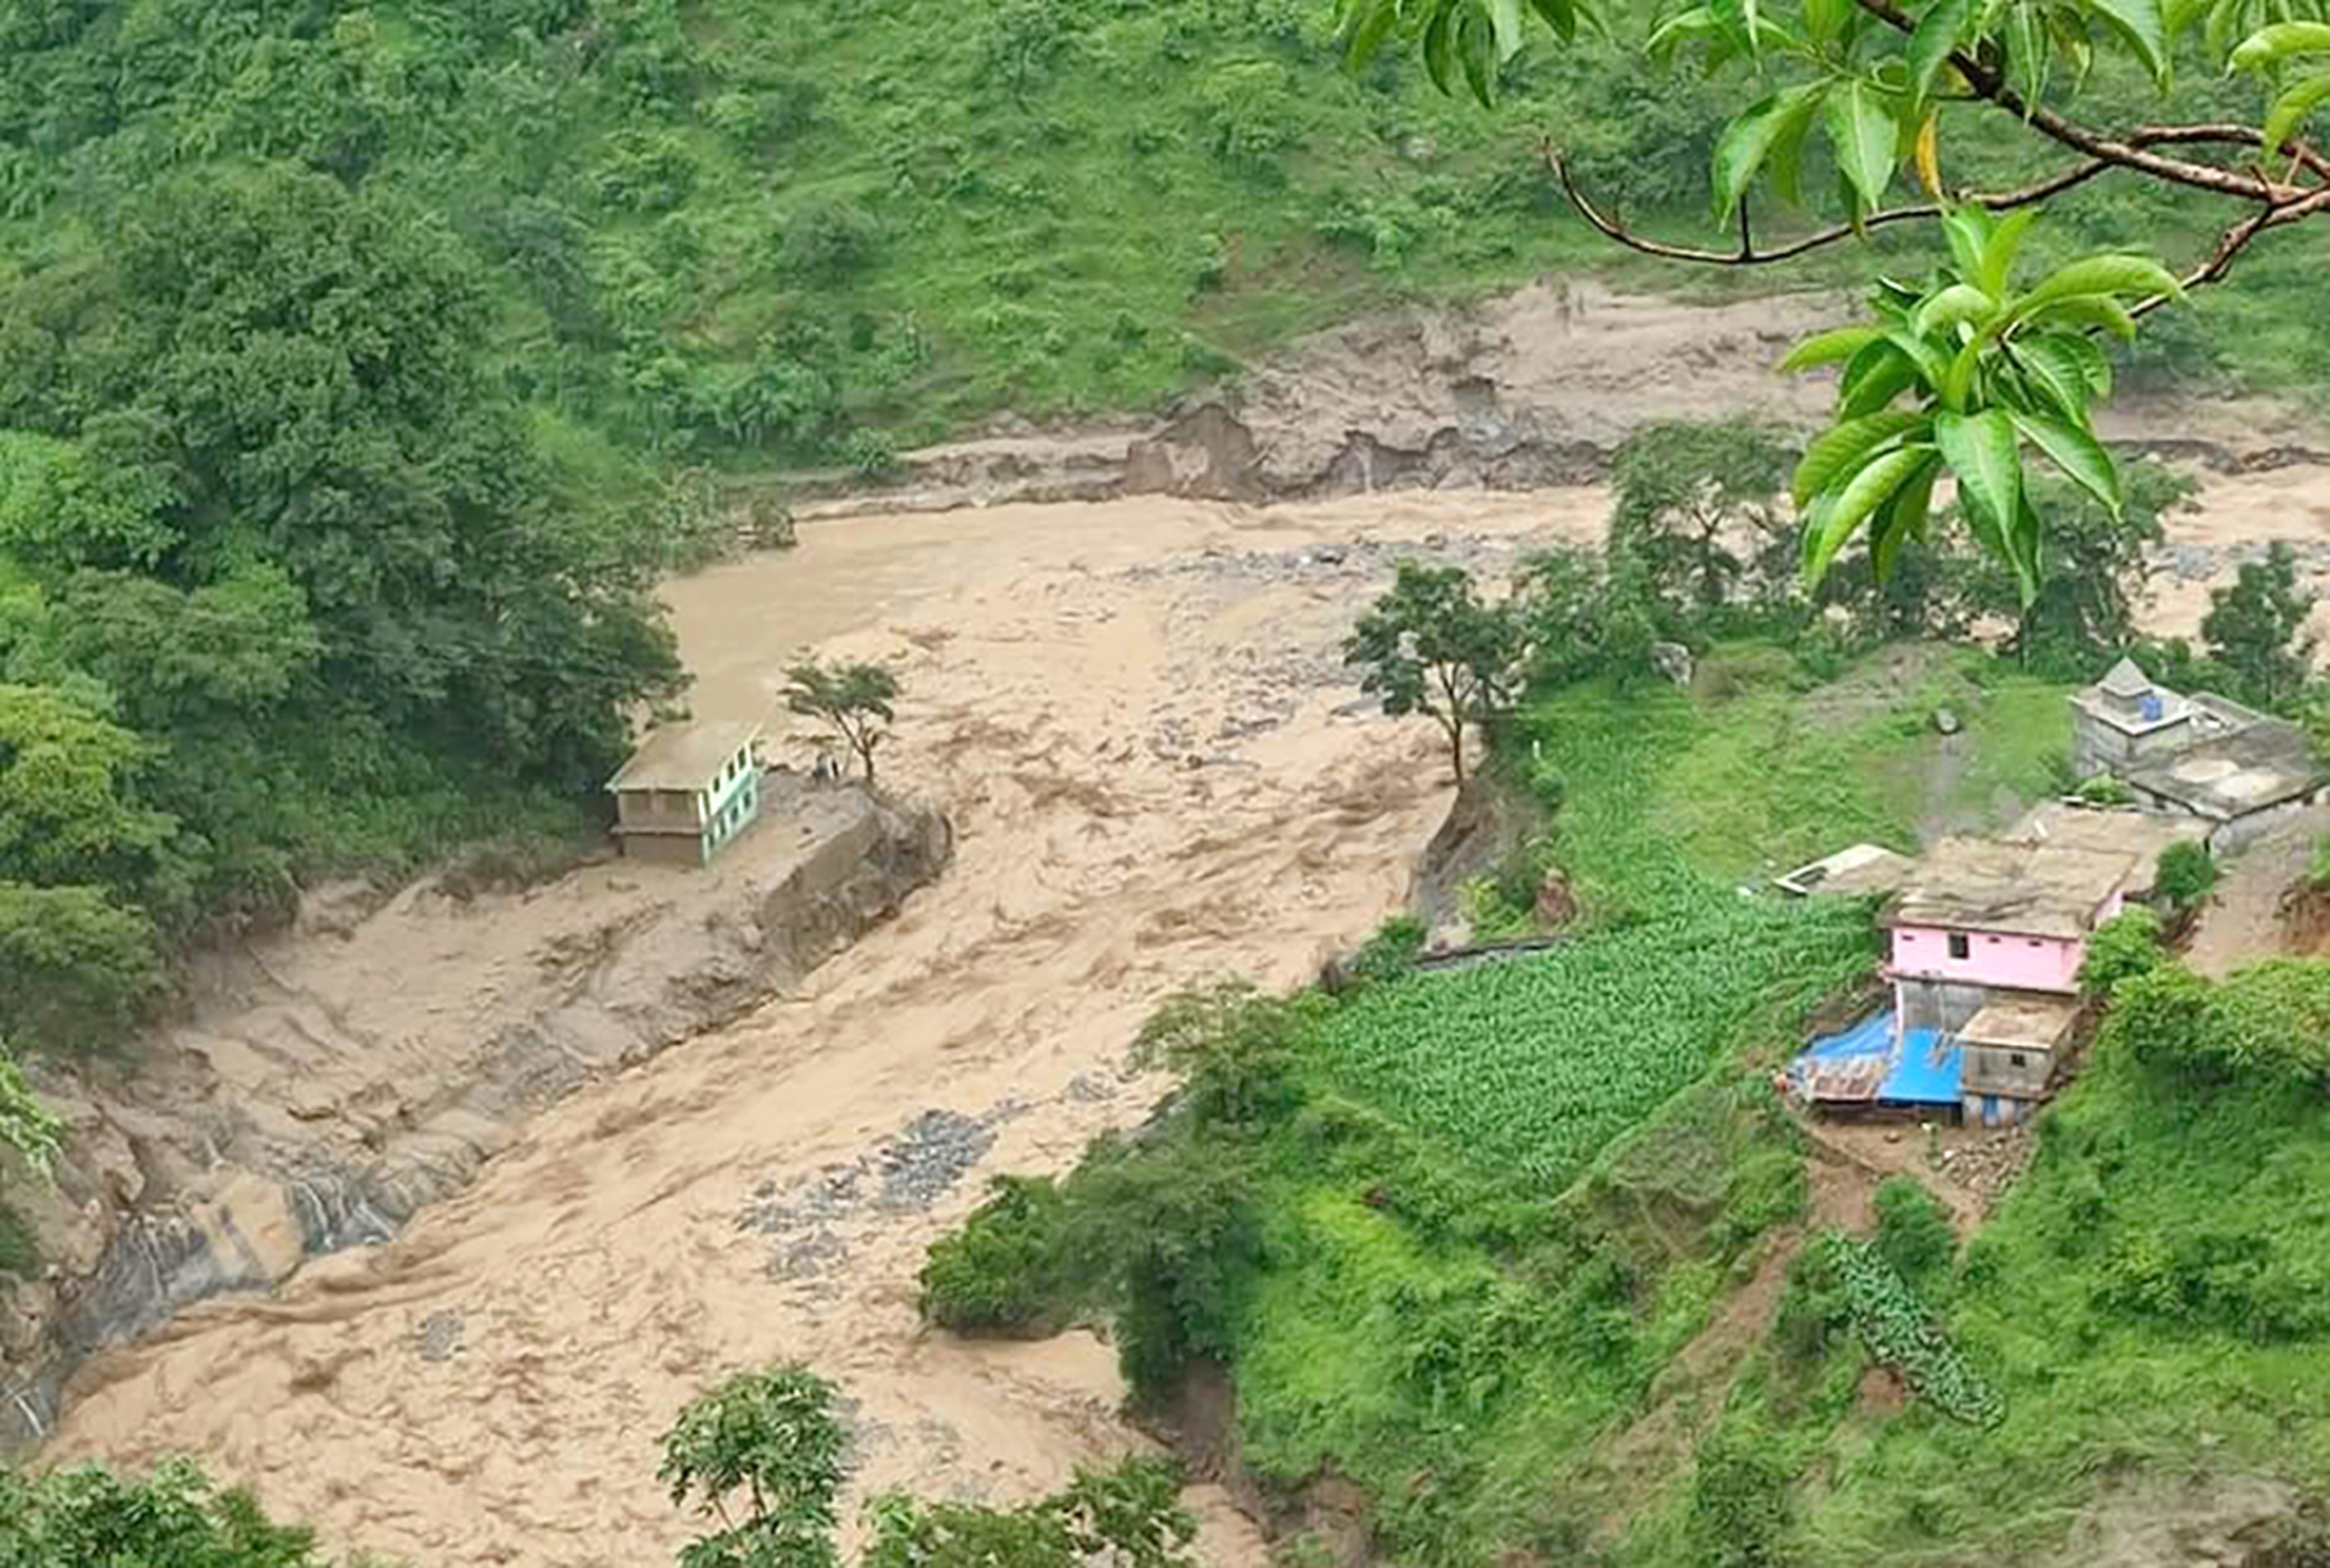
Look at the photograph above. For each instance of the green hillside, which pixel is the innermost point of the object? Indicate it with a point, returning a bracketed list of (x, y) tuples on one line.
[(771, 233)]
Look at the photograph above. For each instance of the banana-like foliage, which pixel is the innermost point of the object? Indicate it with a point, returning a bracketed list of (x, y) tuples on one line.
[(1966, 375)]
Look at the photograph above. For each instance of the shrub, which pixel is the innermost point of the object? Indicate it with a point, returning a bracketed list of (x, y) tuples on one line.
[(1004, 1273), (1913, 1229), (827, 240), (1391, 951), (2269, 1023), (2128, 944), (2103, 789), (19, 1252), (870, 453), (1739, 1499), (77, 971), (2187, 873)]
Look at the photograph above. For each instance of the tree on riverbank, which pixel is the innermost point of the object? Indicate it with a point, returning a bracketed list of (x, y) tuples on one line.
[(762, 1455), (1431, 645), (857, 701)]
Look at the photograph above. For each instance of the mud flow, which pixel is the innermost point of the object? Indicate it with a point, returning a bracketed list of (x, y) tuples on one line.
[(1157, 771)]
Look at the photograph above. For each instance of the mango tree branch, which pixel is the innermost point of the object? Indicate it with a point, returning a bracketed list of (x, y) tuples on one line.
[(1748, 255), (1988, 83)]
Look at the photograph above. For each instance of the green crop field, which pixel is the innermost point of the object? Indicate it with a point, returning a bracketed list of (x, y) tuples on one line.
[(1533, 1065)]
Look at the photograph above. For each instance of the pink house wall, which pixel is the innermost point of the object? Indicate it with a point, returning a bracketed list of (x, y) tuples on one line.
[(2016, 963)]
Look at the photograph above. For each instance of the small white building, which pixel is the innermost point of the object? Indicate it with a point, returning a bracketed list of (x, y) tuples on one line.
[(686, 791)]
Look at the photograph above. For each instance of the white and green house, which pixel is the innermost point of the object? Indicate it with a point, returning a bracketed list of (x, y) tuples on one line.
[(687, 791)]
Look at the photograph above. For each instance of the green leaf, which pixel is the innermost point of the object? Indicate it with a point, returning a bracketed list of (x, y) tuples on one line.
[(1903, 519), (1562, 16), (1983, 451), (1867, 140), (1998, 253), (2078, 453), (1940, 29), (1748, 140), (1831, 347), (1932, 361), (1476, 47), (1440, 48), (1505, 17), (2030, 53), (1959, 304), (2023, 544), (1957, 382), (2293, 108), (1825, 20), (2088, 310), (1842, 449), (1875, 376), (1840, 515), (2094, 363), (2283, 41), (2056, 373), (1742, 24), (1694, 26), (1968, 230), (2110, 277), (1372, 22), (2140, 22)]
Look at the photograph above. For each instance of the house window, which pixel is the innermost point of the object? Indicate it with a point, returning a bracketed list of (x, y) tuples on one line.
[(2017, 1058), (1960, 947)]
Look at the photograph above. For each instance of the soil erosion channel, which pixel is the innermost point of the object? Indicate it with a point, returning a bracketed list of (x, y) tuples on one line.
[(1136, 714)]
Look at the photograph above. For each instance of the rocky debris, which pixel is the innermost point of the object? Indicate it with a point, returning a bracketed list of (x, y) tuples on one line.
[(1988, 1162), (328, 1085), (904, 1174), (439, 1337), (1673, 661), (1946, 722)]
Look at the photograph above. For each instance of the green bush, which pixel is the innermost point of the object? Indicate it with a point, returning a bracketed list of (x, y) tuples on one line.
[(2103, 789), (1005, 1271), (829, 241), (1913, 1229), (1739, 1499), (2126, 945), (1391, 952), (2270, 1023), (2187, 873)]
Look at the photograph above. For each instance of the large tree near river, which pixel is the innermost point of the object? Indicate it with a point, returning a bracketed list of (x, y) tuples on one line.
[(1986, 365)]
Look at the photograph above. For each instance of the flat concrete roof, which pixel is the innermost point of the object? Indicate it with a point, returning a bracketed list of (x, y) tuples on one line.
[(1863, 868), (2110, 830), (683, 756), (2020, 1021), (2268, 764), (2043, 890)]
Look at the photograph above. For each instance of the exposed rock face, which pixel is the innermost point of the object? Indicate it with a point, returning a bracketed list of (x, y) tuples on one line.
[(330, 1082), (1532, 390)]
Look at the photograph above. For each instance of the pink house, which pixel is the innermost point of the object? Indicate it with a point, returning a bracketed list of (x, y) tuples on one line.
[(1986, 941)]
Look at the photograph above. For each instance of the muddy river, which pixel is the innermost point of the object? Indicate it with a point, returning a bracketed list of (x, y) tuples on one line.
[(1159, 773)]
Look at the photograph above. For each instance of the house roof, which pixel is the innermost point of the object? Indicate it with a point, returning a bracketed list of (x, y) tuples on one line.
[(2125, 680), (683, 756), (2268, 764), (2020, 1021), (2043, 889), (2124, 830), (1863, 868)]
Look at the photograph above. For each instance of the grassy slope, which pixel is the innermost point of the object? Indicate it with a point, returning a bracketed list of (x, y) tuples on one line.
[(1056, 210), (1472, 1293)]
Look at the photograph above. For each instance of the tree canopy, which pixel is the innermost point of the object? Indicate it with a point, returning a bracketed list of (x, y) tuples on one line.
[(284, 584)]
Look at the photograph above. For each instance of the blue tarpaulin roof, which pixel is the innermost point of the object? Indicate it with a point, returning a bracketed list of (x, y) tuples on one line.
[(1872, 1060)]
